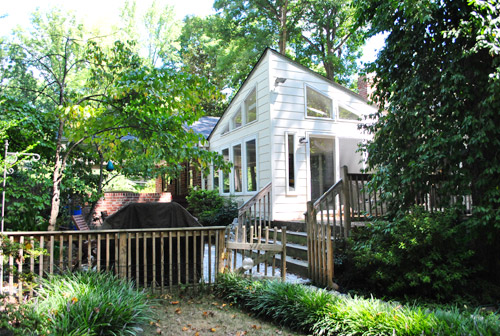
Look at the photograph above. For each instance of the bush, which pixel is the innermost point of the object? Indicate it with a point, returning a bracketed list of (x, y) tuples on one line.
[(321, 312), (422, 254), (90, 303), (210, 208)]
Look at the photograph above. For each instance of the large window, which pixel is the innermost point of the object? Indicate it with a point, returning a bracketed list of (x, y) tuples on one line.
[(318, 105), (251, 165), (251, 106), (290, 169), (238, 176), (225, 177)]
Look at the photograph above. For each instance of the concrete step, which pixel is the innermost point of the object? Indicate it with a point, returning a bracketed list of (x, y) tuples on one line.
[(295, 237), (295, 266), (296, 251)]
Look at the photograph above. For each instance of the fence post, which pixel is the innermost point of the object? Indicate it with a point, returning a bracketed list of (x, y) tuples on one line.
[(310, 220), (347, 201), (122, 256), (283, 253), (220, 252)]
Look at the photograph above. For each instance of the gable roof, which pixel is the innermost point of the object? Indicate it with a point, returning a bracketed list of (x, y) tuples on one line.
[(288, 59)]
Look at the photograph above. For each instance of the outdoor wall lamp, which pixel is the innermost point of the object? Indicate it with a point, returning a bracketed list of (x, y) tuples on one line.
[(279, 80), (303, 140)]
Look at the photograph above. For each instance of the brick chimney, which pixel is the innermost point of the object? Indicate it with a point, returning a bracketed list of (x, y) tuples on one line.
[(365, 85)]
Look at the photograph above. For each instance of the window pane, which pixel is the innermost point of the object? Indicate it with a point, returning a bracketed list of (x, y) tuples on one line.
[(237, 168), (251, 106), (225, 177), (291, 162), (346, 114), (251, 166), (225, 129), (237, 119), (318, 105), (215, 185)]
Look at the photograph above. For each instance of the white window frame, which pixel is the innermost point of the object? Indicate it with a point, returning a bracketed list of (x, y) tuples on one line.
[(245, 162), (221, 174), (350, 109), (239, 111), (244, 108), (290, 192), (332, 105)]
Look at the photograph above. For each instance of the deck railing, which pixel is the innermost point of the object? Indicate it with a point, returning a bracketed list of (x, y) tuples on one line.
[(156, 259), (257, 210)]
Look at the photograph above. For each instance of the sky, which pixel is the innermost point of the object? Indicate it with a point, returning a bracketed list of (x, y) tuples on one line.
[(102, 12)]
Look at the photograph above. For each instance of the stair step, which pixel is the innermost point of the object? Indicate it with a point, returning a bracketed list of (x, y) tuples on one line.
[(295, 266)]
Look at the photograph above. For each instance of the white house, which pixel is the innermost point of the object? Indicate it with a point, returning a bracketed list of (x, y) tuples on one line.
[(290, 126)]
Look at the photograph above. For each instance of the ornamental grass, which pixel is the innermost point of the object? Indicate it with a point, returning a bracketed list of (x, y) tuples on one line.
[(321, 312), (90, 303)]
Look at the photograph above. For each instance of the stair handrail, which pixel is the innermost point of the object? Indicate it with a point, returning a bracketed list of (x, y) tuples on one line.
[(255, 198)]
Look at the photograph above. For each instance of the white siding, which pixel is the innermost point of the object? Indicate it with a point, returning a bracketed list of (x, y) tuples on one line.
[(288, 108), (259, 129), (281, 108)]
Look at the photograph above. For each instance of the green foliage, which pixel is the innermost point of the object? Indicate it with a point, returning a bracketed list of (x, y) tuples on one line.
[(420, 255), (210, 208), (91, 303), (15, 317), (319, 312), (437, 82)]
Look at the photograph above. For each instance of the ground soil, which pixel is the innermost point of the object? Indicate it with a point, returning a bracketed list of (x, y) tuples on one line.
[(201, 314)]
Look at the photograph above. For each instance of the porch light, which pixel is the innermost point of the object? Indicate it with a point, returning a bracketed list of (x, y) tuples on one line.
[(279, 80), (303, 140)]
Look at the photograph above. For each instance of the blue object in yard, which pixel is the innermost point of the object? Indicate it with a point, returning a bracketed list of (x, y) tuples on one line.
[(109, 166), (77, 211)]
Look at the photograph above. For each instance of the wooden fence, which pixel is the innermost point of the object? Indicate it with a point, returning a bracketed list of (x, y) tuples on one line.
[(156, 259), (255, 244), (327, 221)]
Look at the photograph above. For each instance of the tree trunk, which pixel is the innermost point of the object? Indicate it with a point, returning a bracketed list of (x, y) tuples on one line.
[(56, 180), (283, 28)]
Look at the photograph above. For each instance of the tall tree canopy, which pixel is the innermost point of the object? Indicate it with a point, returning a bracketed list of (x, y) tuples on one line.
[(111, 99), (311, 31), (437, 85)]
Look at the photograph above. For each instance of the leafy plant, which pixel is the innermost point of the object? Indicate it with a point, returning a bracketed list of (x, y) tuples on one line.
[(321, 312), (420, 255), (91, 303), (210, 208)]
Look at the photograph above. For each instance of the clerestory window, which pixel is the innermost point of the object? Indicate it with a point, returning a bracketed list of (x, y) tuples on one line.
[(318, 105)]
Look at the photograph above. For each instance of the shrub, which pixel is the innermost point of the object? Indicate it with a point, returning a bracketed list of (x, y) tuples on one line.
[(210, 208), (422, 254), (321, 312), (90, 303)]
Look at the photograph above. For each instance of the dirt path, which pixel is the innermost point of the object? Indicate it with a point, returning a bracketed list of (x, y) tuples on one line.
[(205, 314)]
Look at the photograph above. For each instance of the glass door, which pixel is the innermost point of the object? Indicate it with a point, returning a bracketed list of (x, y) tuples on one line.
[(321, 165)]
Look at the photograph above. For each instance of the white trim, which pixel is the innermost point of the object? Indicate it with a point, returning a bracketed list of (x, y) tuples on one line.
[(350, 109), (245, 166), (221, 174), (333, 105), (308, 157), (287, 165)]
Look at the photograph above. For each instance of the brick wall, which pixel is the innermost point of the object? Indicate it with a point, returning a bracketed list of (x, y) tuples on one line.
[(113, 201)]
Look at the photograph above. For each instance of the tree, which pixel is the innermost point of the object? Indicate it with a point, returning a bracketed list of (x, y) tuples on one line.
[(331, 36), (437, 83), (110, 97), (311, 31), (156, 32)]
